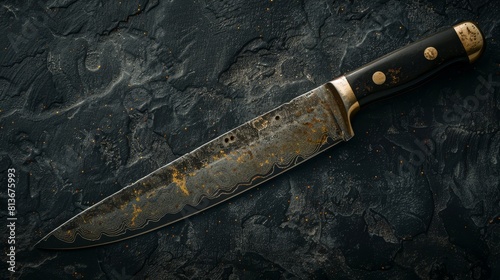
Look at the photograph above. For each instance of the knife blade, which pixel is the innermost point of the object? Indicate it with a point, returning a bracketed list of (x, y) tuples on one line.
[(263, 147)]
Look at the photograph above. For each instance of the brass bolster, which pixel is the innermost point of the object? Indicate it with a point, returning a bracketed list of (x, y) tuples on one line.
[(472, 39), (349, 100)]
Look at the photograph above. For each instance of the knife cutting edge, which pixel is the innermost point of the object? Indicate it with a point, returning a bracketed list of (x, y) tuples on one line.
[(264, 147)]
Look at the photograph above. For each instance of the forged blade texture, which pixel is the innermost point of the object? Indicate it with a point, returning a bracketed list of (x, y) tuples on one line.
[(222, 168)]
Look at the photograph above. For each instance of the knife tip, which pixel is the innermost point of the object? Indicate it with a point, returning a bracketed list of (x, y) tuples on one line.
[(49, 243)]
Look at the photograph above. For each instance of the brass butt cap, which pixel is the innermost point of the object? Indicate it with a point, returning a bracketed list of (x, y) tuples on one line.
[(472, 39)]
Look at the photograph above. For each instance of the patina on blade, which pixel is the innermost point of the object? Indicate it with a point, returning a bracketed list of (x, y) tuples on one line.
[(224, 167)]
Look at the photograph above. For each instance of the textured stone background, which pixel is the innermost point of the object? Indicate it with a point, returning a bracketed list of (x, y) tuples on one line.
[(96, 94)]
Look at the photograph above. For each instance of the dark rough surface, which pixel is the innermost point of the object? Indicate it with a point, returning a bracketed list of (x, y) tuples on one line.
[(94, 95)]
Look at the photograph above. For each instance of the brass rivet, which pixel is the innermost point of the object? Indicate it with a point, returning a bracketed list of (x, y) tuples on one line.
[(378, 78), (430, 53)]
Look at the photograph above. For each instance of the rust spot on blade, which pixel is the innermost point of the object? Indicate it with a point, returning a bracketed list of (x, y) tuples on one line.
[(137, 194), (180, 180), (137, 211), (241, 158), (259, 123)]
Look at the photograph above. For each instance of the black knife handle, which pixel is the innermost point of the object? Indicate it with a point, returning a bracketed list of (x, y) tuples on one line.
[(405, 68)]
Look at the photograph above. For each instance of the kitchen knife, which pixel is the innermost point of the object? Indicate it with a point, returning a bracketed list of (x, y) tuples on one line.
[(263, 147)]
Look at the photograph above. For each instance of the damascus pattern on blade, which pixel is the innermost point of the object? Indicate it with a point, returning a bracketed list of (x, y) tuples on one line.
[(222, 168)]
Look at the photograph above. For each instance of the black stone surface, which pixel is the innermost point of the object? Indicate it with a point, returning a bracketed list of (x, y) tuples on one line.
[(96, 94)]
